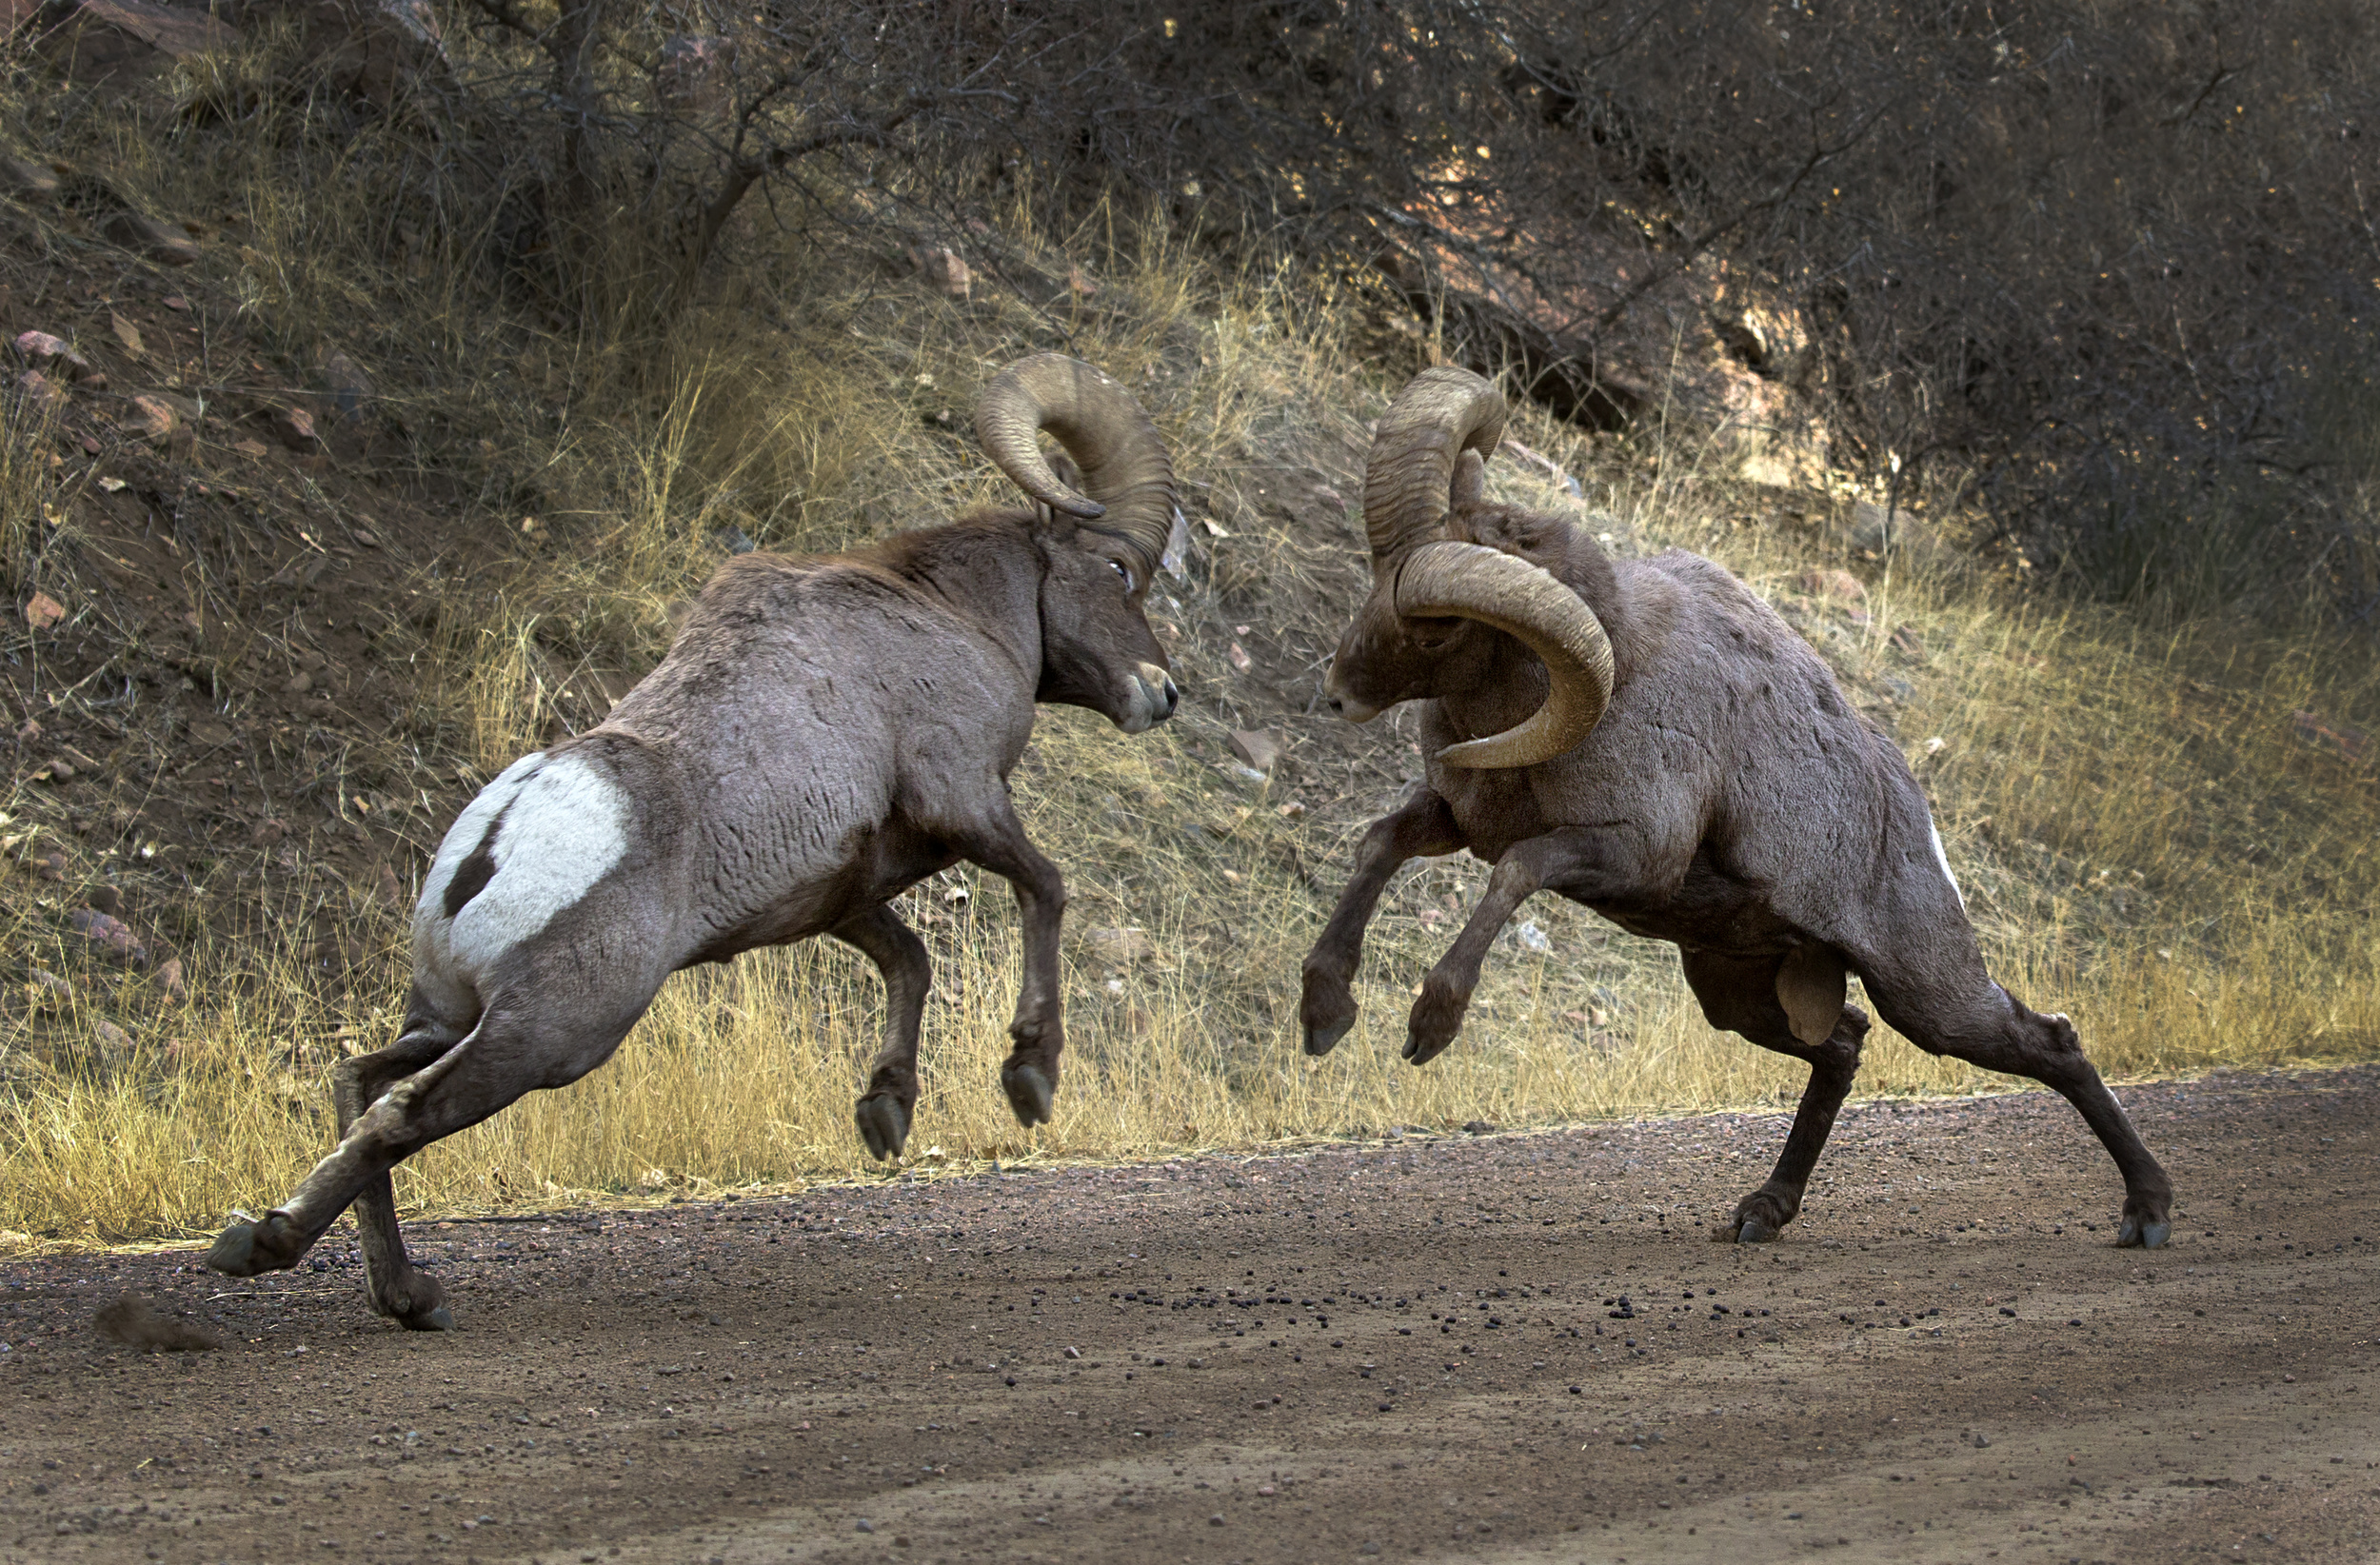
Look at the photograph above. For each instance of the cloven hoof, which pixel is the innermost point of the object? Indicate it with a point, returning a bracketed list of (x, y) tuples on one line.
[(237, 1252), (1753, 1231), (2148, 1236), (1321, 1040), (883, 1125), (1029, 1093)]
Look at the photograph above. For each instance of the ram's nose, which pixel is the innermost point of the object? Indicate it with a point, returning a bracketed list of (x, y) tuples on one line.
[(1342, 705), (1155, 698), (1165, 695), (1352, 709)]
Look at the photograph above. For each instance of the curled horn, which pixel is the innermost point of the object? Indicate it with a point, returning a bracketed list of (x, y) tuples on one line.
[(1473, 582), (1440, 414), (1102, 427)]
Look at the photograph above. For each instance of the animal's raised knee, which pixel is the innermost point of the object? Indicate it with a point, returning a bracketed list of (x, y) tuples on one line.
[(2048, 1041)]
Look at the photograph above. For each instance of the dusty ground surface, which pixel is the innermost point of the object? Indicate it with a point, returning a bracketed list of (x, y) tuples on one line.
[(1416, 1350)]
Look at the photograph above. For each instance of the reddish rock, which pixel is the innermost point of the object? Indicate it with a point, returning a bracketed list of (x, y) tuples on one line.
[(150, 419), (42, 394), (111, 935), (294, 429), (57, 357), (944, 270), (170, 979), (41, 612)]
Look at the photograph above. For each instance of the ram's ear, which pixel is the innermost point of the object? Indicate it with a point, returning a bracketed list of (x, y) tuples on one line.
[(1543, 540), (1469, 485), (1432, 633), (1064, 467)]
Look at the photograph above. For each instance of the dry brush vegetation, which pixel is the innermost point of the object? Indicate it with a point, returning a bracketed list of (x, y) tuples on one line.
[(2164, 827)]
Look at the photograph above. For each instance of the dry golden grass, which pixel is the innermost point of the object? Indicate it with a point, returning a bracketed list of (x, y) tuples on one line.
[(2148, 842)]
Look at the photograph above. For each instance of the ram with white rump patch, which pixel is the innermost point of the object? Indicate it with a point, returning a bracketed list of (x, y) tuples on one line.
[(1647, 738), (825, 733)]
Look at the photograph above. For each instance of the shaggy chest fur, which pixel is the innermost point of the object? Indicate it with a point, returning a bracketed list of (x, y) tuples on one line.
[(1726, 754)]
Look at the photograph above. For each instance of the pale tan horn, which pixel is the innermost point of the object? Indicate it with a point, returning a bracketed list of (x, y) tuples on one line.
[(1440, 414), (1102, 427), (1473, 582)]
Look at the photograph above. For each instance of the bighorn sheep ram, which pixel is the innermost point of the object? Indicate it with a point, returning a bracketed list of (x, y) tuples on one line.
[(825, 733), (1647, 738)]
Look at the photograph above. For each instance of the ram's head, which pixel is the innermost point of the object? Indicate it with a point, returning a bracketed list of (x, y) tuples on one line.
[(1451, 578), (1102, 547)]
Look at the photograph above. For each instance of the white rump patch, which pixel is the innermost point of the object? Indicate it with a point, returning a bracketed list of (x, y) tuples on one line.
[(1940, 859), (565, 824)]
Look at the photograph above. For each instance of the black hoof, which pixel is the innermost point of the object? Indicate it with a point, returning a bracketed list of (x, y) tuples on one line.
[(1420, 1049), (1322, 1040), (883, 1125), (2147, 1234), (251, 1246), (1753, 1231), (1436, 1017), (233, 1252), (417, 1302), (1029, 1093)]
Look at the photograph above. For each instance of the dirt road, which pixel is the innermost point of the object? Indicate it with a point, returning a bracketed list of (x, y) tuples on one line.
[(1477, 1348)]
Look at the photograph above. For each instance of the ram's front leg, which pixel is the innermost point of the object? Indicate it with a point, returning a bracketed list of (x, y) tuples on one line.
[(1559, 859), (1424, 827), (884, 1110), (995, 839)]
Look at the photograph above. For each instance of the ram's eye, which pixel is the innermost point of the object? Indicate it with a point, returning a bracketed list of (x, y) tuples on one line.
[(1123, 570)]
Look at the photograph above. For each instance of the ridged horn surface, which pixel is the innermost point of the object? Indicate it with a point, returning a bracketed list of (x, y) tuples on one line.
[(1102, 427), (1472, 582), (1440, 413)]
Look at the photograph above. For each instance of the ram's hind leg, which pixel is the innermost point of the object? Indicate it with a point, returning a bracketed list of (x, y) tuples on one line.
[(399, 1289), (884, 1110), (505, 1055), (1951, 1006), (1784, 1004)]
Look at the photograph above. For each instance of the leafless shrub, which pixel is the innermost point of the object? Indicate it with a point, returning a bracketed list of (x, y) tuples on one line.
[(2100, 272)]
